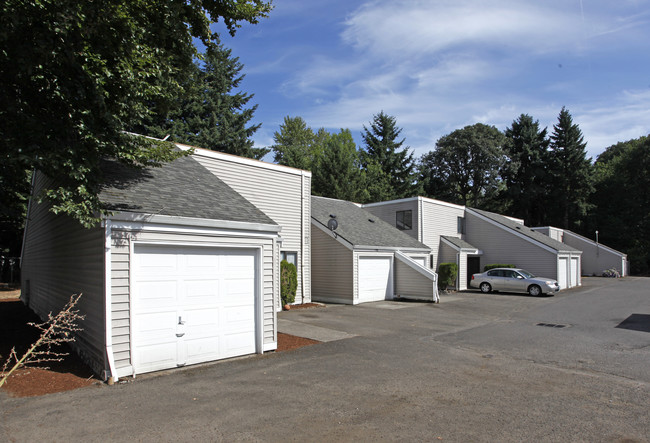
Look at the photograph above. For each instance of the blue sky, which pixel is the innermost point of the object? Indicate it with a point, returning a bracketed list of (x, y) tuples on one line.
[(439, 65)]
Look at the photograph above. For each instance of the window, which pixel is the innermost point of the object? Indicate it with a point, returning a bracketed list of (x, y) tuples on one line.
[(461, 225), (291, 257), (404, 220)]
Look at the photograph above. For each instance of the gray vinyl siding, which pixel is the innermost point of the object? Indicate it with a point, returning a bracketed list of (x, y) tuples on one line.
[(331, 269), (388, 213), (439, 220), (284, 194), (409, 282), (596, 258), (121, 276), (505, 247), (61, 258)]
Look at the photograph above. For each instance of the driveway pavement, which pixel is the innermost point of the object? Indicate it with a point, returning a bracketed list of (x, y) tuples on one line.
[(476, 367)]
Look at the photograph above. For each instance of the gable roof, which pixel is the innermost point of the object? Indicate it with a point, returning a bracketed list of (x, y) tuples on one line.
[(355, 225), (523, 230), (458, 243), (182, 188)]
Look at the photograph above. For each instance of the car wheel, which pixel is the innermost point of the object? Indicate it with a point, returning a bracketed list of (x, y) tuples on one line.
[(485, 288), (534, 290)]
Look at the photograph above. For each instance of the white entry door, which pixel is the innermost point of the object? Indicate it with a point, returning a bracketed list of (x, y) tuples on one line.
[(562, 272), (575, 272), (191, 305), (375, 282)]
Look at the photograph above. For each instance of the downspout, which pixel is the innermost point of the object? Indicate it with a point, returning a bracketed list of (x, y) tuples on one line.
[(107, 300), (421, 220), (22, 247), (302, 235)]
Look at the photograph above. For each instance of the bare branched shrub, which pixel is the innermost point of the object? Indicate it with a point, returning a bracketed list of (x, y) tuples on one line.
[(56, 330)]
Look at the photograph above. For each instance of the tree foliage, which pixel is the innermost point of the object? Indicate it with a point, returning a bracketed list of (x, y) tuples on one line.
[(337, 172), (383, 150), (465, 166), (209, 114), (297, 145), (525, 177), (571, 173), (621, 200), (75, 74)]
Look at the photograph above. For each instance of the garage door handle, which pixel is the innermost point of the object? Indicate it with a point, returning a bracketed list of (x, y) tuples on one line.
[(180, 334), (180, 322)]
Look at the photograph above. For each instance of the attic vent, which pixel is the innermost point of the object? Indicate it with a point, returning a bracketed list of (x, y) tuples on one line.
[(518, 227), (371, 220), (332, 215)]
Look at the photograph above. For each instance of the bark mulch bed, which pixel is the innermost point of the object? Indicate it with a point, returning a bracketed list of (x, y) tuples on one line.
[(71, 372)]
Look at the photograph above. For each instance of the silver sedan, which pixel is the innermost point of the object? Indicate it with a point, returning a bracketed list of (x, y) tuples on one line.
[(513, 280)]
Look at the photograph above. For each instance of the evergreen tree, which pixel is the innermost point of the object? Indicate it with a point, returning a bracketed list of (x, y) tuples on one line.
[(571, 173), (525, 174), (211, 115), (395, 161), (621, 200), (337, 172), (465, 166), (297, 145)]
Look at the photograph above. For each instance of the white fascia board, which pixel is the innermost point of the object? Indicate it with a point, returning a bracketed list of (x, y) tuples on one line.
[(390, 202), (332, 234), (441, 203), (518, 234), (416, 266), (242, 160), (139, 220), (392, 249)]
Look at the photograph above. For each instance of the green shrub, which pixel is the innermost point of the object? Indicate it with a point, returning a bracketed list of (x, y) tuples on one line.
[(288, 282), (488, 267), (447, 273)]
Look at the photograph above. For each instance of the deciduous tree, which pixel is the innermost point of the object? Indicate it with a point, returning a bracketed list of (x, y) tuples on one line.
[(75, 74), (465, 166)]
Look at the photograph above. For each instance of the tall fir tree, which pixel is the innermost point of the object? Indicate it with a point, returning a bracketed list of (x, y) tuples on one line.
[(297, 145), (571, 173), (383, 148), (337, 172), (212, 114), (525, 174)]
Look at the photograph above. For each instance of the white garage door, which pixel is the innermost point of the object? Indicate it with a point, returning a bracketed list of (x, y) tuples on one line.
[(191, 305), (374, 278), (562, 272), (575, 272)]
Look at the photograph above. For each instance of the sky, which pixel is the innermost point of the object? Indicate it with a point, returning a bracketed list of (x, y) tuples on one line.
[(440, 65)]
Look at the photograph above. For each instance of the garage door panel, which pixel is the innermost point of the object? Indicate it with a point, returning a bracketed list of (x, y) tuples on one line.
[(374, 278), (562, 272), (213, 292), (234, 344)]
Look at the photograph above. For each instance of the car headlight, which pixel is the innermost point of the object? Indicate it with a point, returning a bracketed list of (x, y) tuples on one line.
[(550, 283)]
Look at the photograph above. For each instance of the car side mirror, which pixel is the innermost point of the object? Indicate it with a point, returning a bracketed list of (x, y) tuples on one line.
[(520, 276)]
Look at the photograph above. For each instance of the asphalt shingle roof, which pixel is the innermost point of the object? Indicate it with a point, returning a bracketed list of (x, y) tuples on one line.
[(518, 227), (354, 225), (459, 243), (182, 188)]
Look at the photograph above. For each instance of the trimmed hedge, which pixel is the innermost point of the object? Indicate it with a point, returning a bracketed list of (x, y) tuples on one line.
[(447, 273), (288, 282), (488, 267)]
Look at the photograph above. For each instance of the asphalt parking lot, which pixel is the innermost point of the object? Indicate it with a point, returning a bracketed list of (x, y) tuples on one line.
[(476, 367)]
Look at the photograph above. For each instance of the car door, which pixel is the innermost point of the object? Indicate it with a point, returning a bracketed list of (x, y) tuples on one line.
[(516, 282), (495, 278)]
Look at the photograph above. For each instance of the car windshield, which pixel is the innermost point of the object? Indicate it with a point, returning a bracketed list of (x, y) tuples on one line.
[(525, 273)]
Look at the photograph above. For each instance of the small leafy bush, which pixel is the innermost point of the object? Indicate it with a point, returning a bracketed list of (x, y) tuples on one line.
[(497, 265), (447, 273), (288, 282), (611, 273)]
